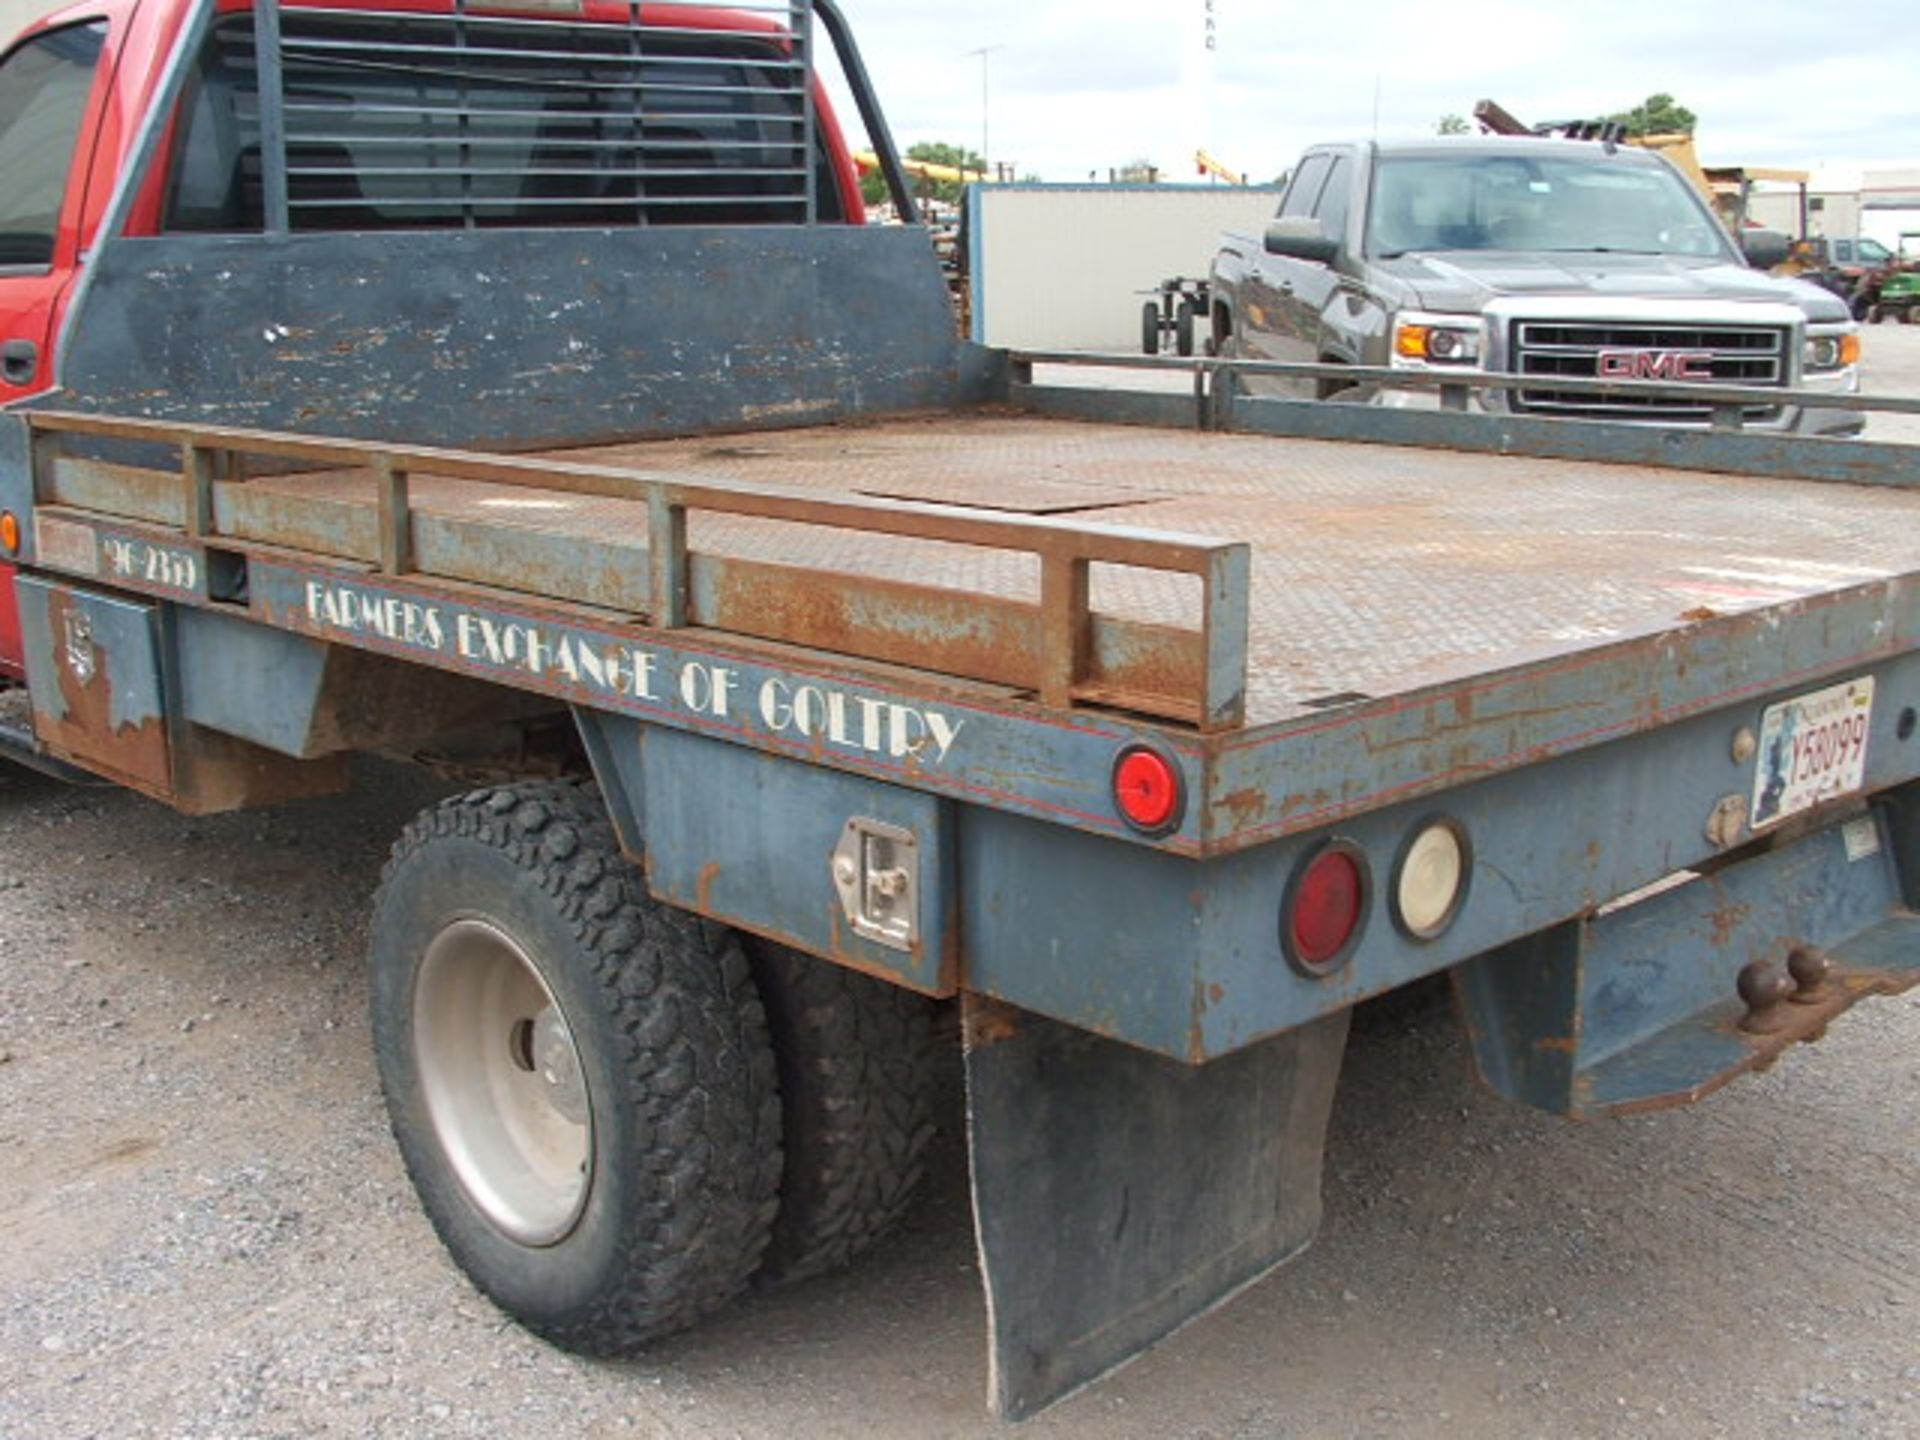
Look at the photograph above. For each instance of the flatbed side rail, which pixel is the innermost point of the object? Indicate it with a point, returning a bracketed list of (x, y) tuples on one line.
[(1728, 402), (1728, 444), (1057, 648)]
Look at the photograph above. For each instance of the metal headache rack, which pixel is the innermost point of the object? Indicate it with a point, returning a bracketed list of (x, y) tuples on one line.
[(362, 119)]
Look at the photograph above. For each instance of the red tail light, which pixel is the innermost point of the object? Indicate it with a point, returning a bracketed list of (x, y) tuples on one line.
[(1147, 790), (1325, 908)]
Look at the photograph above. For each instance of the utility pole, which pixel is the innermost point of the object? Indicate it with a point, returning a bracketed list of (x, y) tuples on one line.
[(985, 135)]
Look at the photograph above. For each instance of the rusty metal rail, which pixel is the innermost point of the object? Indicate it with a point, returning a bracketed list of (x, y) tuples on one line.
[(1197, 676)]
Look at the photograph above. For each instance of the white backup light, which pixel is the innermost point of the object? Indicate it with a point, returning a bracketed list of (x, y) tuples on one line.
[(1432, 879)]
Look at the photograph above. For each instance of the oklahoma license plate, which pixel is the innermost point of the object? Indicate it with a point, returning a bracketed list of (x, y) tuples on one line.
[(1812, 748)]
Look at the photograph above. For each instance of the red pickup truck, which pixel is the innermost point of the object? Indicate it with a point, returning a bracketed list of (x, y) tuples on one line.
[(74, 86)]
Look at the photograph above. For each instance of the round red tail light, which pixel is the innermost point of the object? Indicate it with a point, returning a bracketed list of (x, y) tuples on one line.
[(1147, 790), (1325, 908)]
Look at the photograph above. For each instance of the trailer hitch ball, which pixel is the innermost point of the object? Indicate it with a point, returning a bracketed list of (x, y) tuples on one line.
[(1764, 988), (1809, 967)]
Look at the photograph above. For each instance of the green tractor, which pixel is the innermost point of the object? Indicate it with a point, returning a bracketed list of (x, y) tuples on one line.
[(1898, 297)]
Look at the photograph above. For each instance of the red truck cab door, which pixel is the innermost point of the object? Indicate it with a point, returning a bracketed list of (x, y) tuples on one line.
[(53, 94)]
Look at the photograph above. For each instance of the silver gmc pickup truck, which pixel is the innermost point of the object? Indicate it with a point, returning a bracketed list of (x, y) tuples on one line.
[(1535, 257)]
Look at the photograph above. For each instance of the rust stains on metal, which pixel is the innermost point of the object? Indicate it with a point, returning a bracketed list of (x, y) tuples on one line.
[(937, 986), (1725, 921), (1555, 675), (955, 632), (703, 887), (1244, 807), (215, 772), (1152, 669), (1197, 1023), (1058, 647), (1791, 1024), (985, 1022), (134, 752), (100, 726)]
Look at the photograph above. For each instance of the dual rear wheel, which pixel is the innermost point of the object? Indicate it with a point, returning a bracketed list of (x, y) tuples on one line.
[(616, 1115)]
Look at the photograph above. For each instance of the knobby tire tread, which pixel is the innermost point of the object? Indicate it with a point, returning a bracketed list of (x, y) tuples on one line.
[(859, 1066), (676, 989)]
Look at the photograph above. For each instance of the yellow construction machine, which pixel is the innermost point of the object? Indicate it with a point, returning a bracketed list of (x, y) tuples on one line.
[(1727, 188)]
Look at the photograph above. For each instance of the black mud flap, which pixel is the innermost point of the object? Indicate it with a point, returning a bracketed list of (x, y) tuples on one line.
[(1118, 1195)]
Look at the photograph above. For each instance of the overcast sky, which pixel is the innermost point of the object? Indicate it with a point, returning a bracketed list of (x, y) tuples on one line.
[(1080, 86), (1084, 85)]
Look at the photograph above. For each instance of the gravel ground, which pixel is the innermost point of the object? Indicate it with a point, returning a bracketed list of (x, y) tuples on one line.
[(1890, 365), (205, 1232)]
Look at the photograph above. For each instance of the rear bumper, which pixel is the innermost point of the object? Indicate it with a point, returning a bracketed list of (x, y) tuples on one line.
[(1651, 1004)]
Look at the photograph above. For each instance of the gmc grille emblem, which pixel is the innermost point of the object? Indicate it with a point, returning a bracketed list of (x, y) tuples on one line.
[(1655, 365)]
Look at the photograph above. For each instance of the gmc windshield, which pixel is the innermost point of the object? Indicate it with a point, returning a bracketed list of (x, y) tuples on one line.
[(1519, 202)]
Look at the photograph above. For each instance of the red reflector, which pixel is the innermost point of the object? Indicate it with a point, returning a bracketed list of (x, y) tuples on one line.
[(1146, 787), (1325, 908)]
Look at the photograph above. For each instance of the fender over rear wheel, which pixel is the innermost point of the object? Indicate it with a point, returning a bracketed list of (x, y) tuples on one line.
[(579, 1078)]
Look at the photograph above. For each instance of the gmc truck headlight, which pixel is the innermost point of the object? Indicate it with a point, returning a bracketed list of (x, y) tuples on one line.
[(1436, 340), (1833, 352)]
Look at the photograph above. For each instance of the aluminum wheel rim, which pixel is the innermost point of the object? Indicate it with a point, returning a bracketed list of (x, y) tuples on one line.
[(504, 1087)]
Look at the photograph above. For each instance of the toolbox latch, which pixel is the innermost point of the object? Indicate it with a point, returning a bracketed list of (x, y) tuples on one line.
[(876, 870)]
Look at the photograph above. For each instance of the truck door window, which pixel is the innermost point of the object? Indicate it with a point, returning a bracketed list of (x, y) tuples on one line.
[(1304, 193), (422, 121), (1331, 211), (44, 86)]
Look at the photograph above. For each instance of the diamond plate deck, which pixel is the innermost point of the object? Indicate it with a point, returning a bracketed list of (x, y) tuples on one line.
[(1377, 570)]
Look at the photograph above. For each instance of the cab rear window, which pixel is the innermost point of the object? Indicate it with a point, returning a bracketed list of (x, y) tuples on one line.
[(412, 121)]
